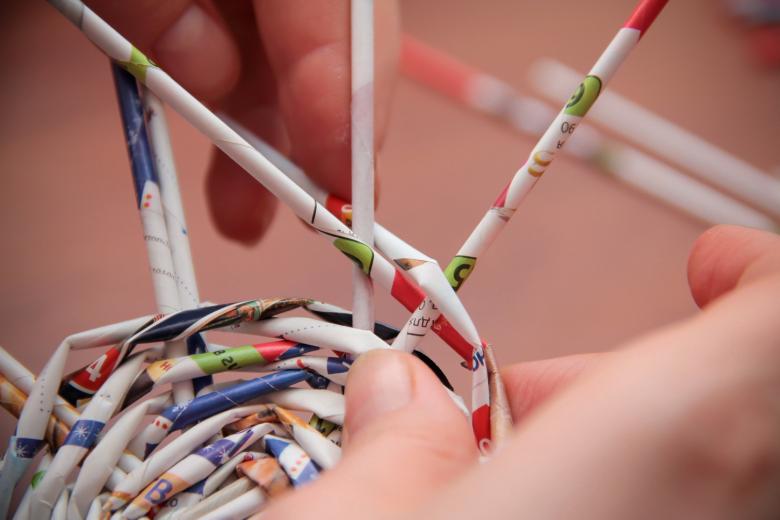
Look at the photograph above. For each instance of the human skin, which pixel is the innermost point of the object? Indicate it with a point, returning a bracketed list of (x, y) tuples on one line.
[(683, 422), (281, 69)]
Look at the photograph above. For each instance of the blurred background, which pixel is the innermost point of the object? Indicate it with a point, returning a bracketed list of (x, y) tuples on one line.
[(585, 265)]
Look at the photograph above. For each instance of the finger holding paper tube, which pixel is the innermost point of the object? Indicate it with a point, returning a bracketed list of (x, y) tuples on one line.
[(424, 310), (343, 210), (302, 204)]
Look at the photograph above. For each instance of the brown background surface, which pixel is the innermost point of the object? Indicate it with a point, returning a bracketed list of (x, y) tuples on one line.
[(585, 264)]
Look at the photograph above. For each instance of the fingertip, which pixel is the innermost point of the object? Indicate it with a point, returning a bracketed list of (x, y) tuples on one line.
[(200, 53), (403, 439), (530, 384), (387, 385), (379, 382), (241, 208), (721, 256)]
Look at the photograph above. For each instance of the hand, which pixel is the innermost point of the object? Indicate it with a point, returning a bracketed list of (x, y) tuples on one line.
[(279, 67), (681, 423)]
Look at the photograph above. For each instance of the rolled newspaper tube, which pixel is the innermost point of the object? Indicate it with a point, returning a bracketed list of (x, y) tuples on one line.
[(395, 248), (308, 209), (542, 155), (84, 432), (43, 465), (21, 377), (60, 509), (96, 507), (338, 315), (199, 491), (413, 299), (185, 324), (96, 468), (362, 148), (336, 435), (208, 363), (57, 432), (488, 95), (175, 222), (501, 424), (63, 411), (192, 469), (323, 403), (196, 493), (219, 498), (151, 434), (323, 426), (149, 199), (13, 400), (180, 416), (335, 314), (401, 253), (314, 332), (332, 368), (34, 417), (172, 453), (668, 140), (224, 472), (78, 387), (344, 210), (268, 479), (191, 496), (240, 506), (295, 462), (264, 478), (265, 415), (323, 452)]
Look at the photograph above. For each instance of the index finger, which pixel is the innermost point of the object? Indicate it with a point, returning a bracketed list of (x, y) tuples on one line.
[(308, 47)]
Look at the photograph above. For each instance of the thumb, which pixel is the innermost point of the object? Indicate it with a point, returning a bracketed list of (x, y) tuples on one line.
[(404, 439)]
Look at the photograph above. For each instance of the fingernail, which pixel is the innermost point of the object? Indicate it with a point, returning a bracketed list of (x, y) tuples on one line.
[(380, 382)]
